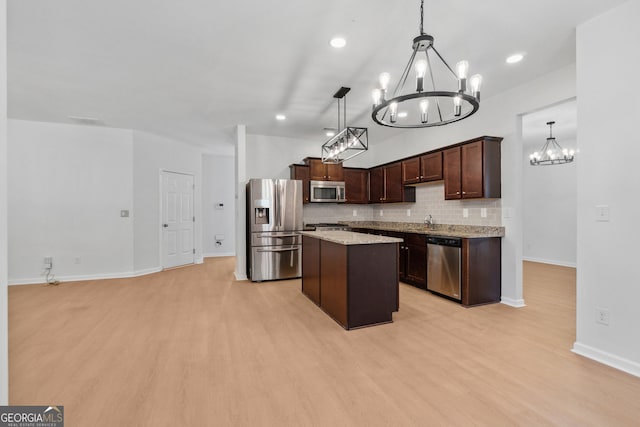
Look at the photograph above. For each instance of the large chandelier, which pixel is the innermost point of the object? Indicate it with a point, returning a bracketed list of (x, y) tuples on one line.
[(426, 107), (551, 153), (349, 141)]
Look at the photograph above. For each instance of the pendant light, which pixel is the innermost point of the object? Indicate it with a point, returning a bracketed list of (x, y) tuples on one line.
[(349, 141), (551, 152), (428, 105)]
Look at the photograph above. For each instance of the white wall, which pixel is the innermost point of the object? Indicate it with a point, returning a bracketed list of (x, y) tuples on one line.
[(498, 116), (4, 325), (68, 184), (550, 192), (218, 177), (608, 110), (151, 155)]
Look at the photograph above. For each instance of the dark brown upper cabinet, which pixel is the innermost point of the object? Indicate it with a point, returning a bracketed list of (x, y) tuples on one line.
[(431, 167), (472, 170), (411, 170), (423, 168), (301, 172), (356, 185), (319, 171), (386, 185)]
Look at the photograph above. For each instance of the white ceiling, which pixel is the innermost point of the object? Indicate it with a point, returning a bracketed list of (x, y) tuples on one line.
[(194, 69)]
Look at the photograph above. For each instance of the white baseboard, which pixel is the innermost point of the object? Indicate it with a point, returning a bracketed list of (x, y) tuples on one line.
[(218, 254), (517, 303), (240, 277), (625, 365), (550, 261), (83, 277)]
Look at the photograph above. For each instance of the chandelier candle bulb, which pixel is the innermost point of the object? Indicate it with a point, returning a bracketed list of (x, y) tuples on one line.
[(476, 82), (393, 108), (463, 69), (457, 104), (424, 110), (421, 70), (376, 94), (384, 79)]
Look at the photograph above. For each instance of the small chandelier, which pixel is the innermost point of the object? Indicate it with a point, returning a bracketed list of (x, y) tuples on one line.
[(551, 153), (348, 141), (426, 108)]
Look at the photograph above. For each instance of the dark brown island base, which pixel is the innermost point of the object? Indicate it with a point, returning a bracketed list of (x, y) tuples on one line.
[(353, 277)]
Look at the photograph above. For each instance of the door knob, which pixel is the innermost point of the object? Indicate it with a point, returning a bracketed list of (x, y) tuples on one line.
[(165, 225)]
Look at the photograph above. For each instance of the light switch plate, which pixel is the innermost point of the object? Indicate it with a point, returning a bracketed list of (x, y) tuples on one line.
[(355, 212), (124, 213), (483, 212), (381, 212), (408, 212), (465, 213), (602, 213)]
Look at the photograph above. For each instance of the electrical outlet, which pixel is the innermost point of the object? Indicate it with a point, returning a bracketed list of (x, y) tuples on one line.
[(48, 262), (602, 213), (483, 212), (77, 260), (355, 212), (408, 212), (381, 212), (602, 316), (465, 213)]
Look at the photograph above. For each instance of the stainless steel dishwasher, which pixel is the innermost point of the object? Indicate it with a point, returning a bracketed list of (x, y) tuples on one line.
[(444, 257)]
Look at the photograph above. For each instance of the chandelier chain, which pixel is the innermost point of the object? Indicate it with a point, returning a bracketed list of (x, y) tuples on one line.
[(421, 17)]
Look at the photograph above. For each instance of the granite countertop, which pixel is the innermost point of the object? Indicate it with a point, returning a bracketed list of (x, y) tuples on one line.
[(444, 230), (349, 237)]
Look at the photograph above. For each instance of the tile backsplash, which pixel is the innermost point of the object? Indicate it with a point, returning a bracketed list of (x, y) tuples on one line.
[(429, 201)]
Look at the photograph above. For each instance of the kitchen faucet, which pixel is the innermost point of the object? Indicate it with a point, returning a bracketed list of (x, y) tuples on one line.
[(428, 220)]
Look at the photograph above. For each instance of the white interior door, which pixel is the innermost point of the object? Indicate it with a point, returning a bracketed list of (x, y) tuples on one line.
[(177, 219)]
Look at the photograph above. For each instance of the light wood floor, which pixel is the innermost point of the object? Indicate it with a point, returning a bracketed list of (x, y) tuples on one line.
[(192, 347)]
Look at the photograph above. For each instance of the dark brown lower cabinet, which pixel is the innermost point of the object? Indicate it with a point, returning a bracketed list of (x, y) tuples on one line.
[(358, 284), (416, 260), (311, 269), (481, 265), (481, 271)]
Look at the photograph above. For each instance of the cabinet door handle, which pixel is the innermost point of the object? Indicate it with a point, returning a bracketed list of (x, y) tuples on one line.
[(464, 192), (457, 192)]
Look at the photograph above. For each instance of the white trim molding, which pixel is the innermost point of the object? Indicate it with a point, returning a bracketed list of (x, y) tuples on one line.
[(220, 254), (550, 261), (517, 303), (240, 277), (82, 277), (617, 362)]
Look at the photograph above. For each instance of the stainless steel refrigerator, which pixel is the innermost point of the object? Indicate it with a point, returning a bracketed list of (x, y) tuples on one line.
[(274, 222)]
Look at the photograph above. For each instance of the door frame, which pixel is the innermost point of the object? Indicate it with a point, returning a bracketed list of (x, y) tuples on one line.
[(161, 248)]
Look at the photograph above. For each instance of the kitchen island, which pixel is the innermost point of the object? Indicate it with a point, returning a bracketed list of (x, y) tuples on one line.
[(353, 277)]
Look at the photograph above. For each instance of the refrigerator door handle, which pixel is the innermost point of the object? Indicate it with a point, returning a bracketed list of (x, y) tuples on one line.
[(278, 250), (266, 236), (276, 202)]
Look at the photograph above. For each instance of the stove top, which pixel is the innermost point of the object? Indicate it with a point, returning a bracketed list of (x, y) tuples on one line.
[(326, 226)]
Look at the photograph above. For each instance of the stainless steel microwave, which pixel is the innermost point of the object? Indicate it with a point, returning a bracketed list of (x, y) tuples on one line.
[(326, 191)]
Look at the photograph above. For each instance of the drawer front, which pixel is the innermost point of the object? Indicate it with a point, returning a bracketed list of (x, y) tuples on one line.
[(415, 239)]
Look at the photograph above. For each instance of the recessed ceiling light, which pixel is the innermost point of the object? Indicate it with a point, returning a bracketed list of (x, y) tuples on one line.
[(281, 117), (515, 58), (402, 114), (338, 42)]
